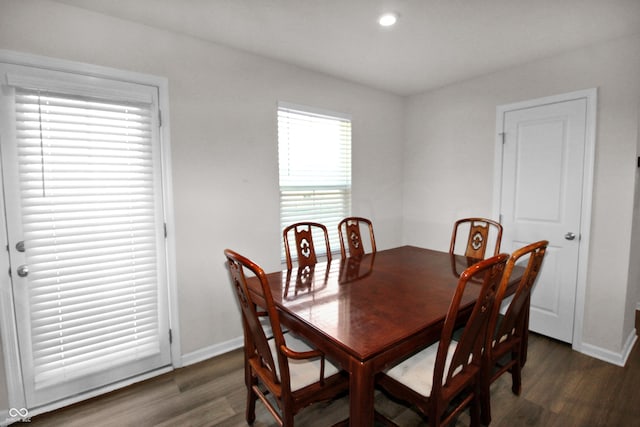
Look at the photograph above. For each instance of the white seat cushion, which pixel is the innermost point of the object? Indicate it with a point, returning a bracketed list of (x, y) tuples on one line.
[(303, 372), (416, 372)]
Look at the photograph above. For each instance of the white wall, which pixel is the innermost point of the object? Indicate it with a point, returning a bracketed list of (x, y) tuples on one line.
[(224, 148), (449, 166)]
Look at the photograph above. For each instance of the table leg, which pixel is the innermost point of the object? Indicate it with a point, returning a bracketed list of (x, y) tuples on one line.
[(361, 393)]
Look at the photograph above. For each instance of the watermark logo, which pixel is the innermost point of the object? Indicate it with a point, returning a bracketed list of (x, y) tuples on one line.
[(19, 414)]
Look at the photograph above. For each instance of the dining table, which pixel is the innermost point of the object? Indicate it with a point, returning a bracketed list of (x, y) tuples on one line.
[(369, 312)]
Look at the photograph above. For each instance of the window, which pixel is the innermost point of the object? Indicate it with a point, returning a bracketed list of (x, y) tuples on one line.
[(314, 149), (84, 207)]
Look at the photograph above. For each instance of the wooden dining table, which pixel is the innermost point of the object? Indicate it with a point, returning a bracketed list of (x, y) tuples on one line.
[(367, 313)]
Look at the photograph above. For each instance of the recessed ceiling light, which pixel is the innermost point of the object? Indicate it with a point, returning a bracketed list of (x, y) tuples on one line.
[(388, 19)]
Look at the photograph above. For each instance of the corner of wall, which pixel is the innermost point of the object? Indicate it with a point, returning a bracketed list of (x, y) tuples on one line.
[(619, 359)]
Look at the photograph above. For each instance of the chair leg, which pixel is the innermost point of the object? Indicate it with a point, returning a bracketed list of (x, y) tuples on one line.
[(251, 405), (516, 377), (252, 396), (433, 415), (485, 402), (485, 392), (287, 419), (475, 411)]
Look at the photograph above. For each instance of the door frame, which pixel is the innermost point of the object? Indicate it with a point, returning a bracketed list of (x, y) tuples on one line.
[(590, 96), (8, 331)]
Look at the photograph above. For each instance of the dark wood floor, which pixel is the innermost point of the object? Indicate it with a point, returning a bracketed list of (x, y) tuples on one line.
[(560, 388)]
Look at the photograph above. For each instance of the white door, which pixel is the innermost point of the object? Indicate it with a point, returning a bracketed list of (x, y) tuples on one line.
[(543, 167), (84, 223)]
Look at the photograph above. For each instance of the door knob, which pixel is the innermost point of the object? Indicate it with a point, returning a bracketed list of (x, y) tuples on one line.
[(23, 271), (569, 236)]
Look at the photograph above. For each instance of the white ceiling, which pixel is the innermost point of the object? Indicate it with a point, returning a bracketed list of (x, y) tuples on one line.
[(435, 42)]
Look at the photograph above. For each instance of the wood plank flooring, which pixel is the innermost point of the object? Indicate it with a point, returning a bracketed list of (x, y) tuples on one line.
[(560, 387)]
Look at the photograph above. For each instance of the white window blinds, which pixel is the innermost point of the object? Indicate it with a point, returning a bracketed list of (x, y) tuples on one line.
[(315, 169), (90, 225)]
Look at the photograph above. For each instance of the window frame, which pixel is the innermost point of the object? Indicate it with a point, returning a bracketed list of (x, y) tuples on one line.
[(332, 224)]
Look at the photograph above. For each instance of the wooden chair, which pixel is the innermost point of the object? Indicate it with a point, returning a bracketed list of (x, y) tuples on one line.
[(503, 349), (350, 236), (305, 249), (479, 234), (292, 373), (443, 379)]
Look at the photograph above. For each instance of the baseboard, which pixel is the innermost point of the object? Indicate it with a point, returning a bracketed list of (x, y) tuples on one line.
[(609, 356), (212, 351)]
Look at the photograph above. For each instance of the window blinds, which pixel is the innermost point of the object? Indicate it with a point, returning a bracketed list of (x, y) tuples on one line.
[(90, 227), (314, 151)]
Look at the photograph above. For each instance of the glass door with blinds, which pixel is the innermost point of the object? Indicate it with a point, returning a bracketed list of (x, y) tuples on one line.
[(81, 174)]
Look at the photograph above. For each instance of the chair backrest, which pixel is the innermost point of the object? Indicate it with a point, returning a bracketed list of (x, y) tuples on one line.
[(305, 249), (481, 232), (466, 361), (351, 237), (460, 263), (511, 322), (252, 300)]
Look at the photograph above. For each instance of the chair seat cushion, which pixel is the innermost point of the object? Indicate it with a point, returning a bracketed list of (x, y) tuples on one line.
[(416, 372), (306, 371)]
